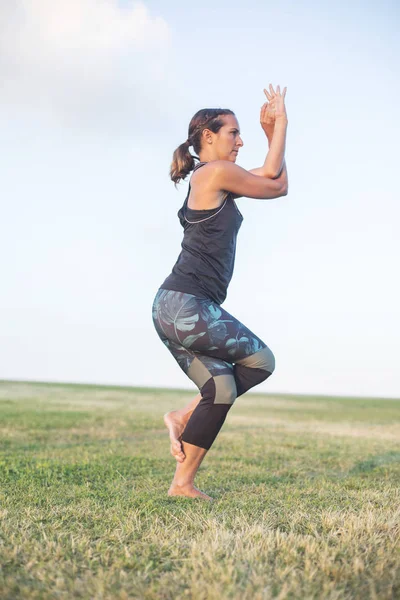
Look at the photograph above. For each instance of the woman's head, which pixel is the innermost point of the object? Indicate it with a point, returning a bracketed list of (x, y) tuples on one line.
[(214, 134)]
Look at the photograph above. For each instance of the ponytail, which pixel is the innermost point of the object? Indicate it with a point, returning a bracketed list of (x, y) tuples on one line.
[(182, 162)]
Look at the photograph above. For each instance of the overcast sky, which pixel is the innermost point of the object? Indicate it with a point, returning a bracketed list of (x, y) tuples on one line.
[(96, 95)]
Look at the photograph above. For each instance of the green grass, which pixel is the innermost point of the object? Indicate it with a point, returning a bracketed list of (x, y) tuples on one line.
[(307, 498)]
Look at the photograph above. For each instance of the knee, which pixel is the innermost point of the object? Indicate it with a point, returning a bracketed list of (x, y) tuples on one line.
[(263, 359), (253, 369), (269, 359)]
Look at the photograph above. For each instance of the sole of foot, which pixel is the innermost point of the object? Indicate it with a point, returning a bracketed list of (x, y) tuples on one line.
[(190, 491), (175, 428)]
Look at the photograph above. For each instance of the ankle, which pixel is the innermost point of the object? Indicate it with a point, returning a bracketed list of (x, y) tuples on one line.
[(182, 483)]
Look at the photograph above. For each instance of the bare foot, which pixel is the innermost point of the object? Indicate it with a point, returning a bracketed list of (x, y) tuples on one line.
[(188, 490), (175, 427)]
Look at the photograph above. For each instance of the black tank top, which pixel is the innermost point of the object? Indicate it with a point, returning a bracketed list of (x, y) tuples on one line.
[(205, 265)]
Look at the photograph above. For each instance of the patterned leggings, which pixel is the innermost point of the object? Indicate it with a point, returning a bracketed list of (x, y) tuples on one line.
[(217, 352)]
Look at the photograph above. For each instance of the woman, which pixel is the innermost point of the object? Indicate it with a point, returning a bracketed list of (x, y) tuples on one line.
[(216, 351)]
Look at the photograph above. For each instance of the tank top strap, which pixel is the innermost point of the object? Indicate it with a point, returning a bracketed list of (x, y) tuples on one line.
[(199, 164)]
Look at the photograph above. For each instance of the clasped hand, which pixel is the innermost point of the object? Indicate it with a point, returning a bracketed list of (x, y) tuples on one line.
[(273, 110)]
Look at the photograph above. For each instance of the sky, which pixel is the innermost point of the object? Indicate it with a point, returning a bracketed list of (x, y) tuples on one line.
[(95, 95)]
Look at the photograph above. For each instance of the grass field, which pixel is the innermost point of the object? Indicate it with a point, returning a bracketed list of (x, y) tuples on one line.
[(307, 498)]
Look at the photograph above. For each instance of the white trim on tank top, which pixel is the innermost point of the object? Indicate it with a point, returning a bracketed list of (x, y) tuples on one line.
[(210, 217)]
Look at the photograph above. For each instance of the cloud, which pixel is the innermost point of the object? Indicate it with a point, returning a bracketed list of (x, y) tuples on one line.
[(85, 61)]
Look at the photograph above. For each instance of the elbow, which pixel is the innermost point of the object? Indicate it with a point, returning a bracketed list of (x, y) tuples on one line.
[(284, 191)]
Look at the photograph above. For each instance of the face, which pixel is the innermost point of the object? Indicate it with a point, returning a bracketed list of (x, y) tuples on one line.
[(227, 141)]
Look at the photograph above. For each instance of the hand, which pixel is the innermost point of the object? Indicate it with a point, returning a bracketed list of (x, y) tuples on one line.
[(277, 102), (273, 110)]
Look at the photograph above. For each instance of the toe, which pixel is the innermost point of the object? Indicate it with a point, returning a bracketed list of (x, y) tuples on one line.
[(176, 451), (179, 456), (176, 447)]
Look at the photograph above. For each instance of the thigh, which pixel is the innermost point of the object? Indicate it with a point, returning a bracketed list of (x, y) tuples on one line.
[(202, 326)]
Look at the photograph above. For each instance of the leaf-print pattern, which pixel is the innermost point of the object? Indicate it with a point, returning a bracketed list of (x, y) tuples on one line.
[(187, 342), (183, 357), (217, 367), (210, 312), (217, 332), (179, 311), (216, 337)]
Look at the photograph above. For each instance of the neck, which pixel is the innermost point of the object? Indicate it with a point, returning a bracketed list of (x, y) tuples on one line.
[(208, 156)]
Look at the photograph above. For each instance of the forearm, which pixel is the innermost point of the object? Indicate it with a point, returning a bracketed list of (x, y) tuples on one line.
[(274, 161), (282, 177)]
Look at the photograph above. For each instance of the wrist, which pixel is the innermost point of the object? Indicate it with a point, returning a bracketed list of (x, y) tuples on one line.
[(269, 132)]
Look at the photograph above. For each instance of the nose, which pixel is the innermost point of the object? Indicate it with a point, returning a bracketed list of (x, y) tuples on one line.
[(240, 142)]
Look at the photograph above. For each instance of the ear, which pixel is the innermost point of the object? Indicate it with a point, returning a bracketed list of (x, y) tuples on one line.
[(207, 136)]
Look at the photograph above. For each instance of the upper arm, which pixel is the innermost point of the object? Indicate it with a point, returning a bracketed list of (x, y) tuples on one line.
[(235, 179)]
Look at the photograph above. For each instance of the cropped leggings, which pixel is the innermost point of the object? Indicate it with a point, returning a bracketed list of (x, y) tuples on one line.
[(217, 352)]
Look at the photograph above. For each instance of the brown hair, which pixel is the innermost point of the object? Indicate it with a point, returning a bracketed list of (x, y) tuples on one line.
[(183, 160)]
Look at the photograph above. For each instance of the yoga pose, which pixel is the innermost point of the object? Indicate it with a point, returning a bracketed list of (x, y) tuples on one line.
[(216, 351)]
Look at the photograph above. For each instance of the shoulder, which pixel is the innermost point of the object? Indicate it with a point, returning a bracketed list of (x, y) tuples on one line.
[(219, 165), (214, 170)]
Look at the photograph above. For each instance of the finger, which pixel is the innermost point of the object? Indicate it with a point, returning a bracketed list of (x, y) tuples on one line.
[(268, 96), (271, 89), (284, 92), (263, 111), (278, 90)]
